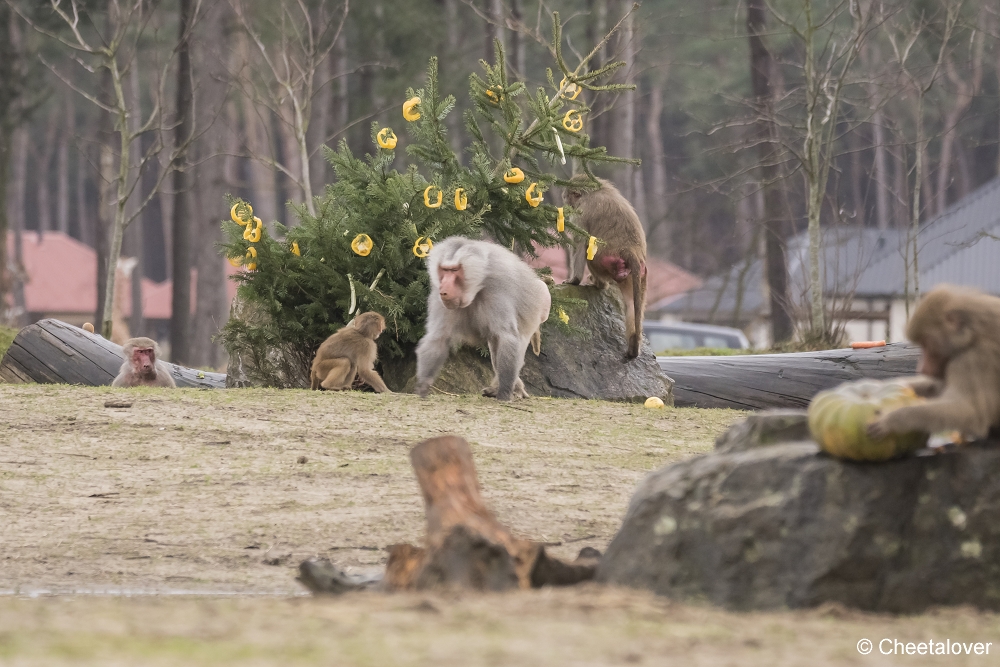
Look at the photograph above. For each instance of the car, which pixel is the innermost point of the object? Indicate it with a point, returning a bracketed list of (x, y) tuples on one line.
[(665, 336)]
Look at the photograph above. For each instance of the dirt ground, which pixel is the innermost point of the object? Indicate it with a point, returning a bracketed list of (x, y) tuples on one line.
[(169, 532)]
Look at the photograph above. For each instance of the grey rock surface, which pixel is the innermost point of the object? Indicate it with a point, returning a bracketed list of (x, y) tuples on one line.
[(584, 366), (785, 526), (764, 429)]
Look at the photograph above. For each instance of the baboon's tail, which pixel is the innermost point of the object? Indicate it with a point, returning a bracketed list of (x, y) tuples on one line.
[(536, 341)]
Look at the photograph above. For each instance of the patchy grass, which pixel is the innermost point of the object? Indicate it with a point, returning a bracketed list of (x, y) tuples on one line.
[(168, 533), (7, 335)]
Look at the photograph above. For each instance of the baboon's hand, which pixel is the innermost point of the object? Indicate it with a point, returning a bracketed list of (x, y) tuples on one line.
[(880, 428), (423, 388)]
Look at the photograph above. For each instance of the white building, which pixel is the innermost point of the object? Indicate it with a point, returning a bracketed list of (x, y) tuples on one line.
[(863, 274)]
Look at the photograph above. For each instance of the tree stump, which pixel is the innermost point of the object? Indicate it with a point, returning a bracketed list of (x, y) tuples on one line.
[(465, 546), (53, 352)]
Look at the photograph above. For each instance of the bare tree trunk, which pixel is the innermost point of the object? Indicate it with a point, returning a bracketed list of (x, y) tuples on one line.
[(449, 66), (494, 28), (15, 210), (965, 91), (883, 213), (62, 167), (319, 126), (620, 119), (180, 319), (516, 40), (342, 107), (656, 205), (761, 69), (135, 231), (43, 173)]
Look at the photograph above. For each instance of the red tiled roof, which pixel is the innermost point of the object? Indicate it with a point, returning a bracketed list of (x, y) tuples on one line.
[(664, 278), (62, 278)]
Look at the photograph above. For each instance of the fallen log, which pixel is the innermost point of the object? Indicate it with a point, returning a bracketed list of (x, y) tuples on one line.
[(465, 546), (763, 381), (53, 352)]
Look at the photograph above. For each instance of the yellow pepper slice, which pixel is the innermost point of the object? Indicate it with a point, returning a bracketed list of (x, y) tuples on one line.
[(513, 175), (408, 109), (572, 90), (362, 244), (591, 248), (535, 200), (295, 249), (573, 121), (236, 219), (461, 201), (235, 261), (560, 220), (251, 256), (253, 235), (386, 138), (495, 95), (563, 316), (427, 196), (423, 249)]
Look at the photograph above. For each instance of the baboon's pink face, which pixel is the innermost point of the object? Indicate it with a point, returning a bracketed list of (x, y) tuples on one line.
[(451, 286), (144, 361)]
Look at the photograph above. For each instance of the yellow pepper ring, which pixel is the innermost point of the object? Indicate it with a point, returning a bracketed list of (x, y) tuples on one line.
[(533, 200), (513, 175), (461, 200), (408, 109), (295, 249), (386, 138), (495, 96), (427, 197), (563, 316), (573, 121), (362, 245), (591, 248), (232, 213), (572, 90), (421, 250), (251, 255), (235, 261), (560, 220), (254, 236)]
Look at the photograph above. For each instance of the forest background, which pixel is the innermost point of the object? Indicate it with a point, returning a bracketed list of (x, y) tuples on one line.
[(897, 99)]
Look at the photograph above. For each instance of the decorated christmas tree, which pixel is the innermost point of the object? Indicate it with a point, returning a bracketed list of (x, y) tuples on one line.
[(374, 225)]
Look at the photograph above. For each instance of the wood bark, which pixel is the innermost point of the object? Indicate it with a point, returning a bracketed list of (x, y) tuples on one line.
[(54, 352), (517, 40), (136, 231), (764, 381), (180, 322), (621, 117), (761, 69), (494, 28), (965, 92)]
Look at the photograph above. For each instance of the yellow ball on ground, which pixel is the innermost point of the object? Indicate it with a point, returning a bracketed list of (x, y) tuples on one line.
[(654, 402)]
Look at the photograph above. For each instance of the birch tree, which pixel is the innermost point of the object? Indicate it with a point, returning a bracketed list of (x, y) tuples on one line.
[(112, 54), (285, 79)]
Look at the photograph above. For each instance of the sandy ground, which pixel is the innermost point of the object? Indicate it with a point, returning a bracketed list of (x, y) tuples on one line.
[(169, 533)]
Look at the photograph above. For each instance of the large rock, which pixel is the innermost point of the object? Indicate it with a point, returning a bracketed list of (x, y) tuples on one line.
[(769, 527), (581, 366)]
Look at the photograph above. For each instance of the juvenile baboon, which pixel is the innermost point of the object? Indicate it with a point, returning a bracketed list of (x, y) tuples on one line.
[(482, 293), (142, 366), (621, 250), (350, 352), (958, 330)]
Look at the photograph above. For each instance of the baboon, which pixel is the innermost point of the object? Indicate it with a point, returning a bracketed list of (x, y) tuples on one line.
[(482, 293), (350, 352), (142, 366), (621, 249), (957, 329)]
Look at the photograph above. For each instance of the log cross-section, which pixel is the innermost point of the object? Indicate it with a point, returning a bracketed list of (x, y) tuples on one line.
[(54, 352)]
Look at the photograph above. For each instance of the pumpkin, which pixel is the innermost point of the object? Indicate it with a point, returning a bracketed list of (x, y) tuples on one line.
[(838, 418)]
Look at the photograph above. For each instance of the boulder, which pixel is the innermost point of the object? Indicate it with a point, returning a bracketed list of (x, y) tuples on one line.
[(756, 526), (586, 365)]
